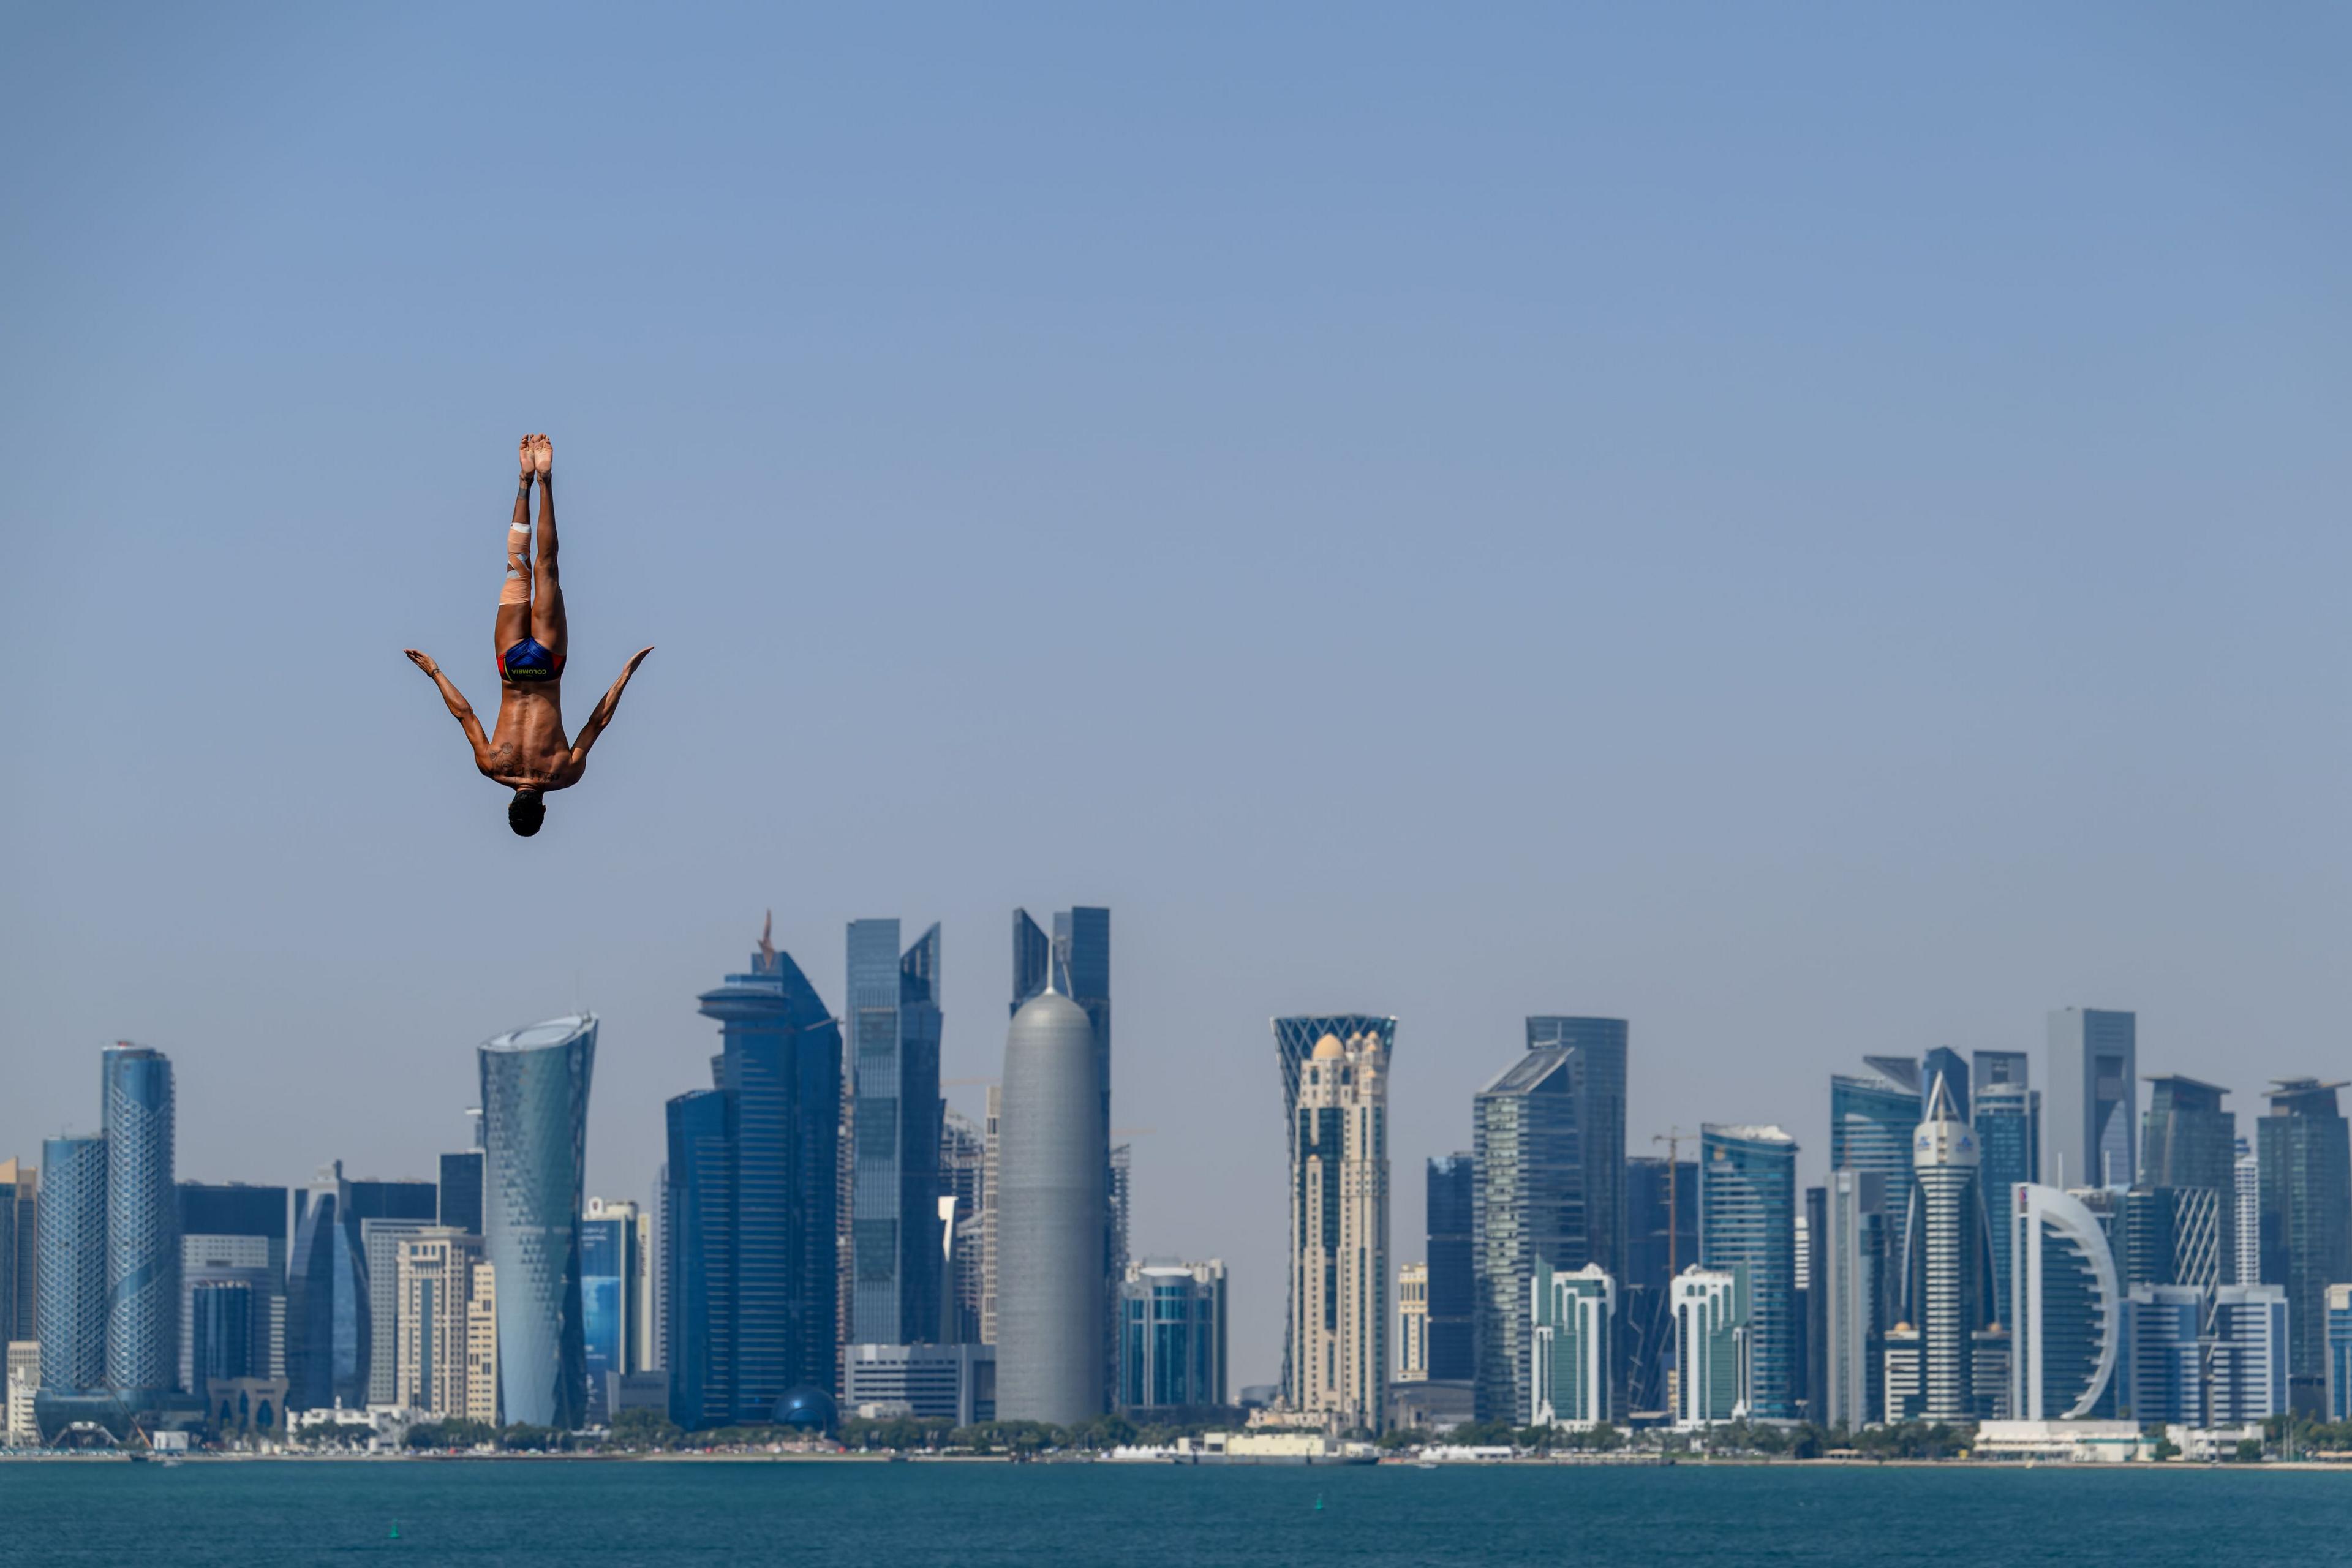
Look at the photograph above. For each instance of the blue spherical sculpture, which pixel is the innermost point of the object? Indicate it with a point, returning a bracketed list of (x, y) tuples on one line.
[(808, 1408)]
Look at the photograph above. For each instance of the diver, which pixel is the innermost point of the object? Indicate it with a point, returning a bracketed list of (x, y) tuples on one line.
[(528, 752)]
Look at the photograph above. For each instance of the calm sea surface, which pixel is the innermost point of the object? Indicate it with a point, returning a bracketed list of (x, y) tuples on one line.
[(199, 1515)]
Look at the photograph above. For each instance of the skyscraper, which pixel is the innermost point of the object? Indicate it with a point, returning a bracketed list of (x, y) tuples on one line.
[(1077, 959), (1572, 1364), (233, 1238), (1451, 1213), (73, 1268), (20, 1270), (2246, 1187), (1660, 1240), (749, 1211), (142, 1225), (2190, 1141), (1052, 1181), (1873, 1116), (1747, 1220), (2307, 1219), (329, 1300), (535, 1084), (1945, 1270), (611, 1297), (1947, 1064), (2094, 1095), (1295, 1039), (1339, 1233), (1853, 1257), (459, 1203), (2007, 1116), (434, 1278), (894, 1047), (2065, 1311), (1549, 1136), (963, 1176)]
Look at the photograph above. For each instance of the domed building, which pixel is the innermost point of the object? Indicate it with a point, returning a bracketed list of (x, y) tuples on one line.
[(812, 1410)]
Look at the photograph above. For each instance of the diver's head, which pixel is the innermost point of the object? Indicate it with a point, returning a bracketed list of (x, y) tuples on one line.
[(526, 811)]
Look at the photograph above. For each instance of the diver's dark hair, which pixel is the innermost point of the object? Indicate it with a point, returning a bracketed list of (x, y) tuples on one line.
[(526, 811)]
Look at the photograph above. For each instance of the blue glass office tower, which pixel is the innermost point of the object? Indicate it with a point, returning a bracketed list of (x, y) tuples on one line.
[(1951, 1066), (608, 1275), (2190, 1141), (330, 1320), (142, 1225), (2007, 1115), (1873, 1116), (894, 1054), (1661, 1241), (71, 1224), (2306, 1220), (749, 1209), (535, 1084), (1549, 1139), (1452, 1208), (1748, 1220), (459, 1203)]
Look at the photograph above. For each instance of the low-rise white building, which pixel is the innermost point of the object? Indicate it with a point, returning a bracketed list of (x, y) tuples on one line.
[(2111, 1442)]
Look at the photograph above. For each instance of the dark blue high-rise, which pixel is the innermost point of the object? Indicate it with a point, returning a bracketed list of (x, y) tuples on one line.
[(894, 1056), (749, 1211)]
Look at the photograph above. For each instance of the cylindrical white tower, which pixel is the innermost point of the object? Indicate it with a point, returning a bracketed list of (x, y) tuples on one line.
[(1051, 1309)]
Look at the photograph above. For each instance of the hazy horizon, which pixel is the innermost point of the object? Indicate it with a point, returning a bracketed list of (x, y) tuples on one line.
[(1817, 531)]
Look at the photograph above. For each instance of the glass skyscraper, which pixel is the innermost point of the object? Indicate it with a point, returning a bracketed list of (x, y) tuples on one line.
[(2007, 1116), (1549, 1139), (612, 1297), (749, 1211), (142, 1225), (72, 1226), (535, 1084), (2305, 1167), (1748, 1221), (2190, 1141), (459, 1203), (894, 1053), (1451, 1207), (2094, 1097), (1873, 1116), (1660, 1240), (330, 1302)]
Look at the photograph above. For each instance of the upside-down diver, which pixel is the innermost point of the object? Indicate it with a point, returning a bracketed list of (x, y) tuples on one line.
[(528, 752)]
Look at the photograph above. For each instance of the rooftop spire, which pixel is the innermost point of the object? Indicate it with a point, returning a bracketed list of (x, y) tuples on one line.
[(1941, 1106), (767, 946)]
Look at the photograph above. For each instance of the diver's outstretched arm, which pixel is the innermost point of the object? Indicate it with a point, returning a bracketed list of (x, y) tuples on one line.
[(604, 713), (459, 708)]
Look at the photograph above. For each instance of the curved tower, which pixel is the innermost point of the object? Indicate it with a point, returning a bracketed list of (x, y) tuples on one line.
[(2066, 1311), (1051, 1314), (143, 1223), (534, 1174)]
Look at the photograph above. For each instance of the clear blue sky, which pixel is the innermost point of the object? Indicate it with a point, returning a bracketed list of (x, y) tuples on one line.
[(1816, 529)]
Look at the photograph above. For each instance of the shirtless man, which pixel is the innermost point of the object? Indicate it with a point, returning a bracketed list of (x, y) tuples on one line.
[(529, 754)]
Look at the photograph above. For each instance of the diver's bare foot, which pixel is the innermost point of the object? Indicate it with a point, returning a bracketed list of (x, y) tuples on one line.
[(542, 454), (529, 462)]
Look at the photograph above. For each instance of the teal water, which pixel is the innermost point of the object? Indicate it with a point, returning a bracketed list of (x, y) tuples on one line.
[(524, 1515)]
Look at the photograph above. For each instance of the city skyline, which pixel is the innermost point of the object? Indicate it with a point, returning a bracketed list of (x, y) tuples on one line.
[(1406, 1246)]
